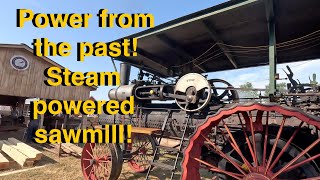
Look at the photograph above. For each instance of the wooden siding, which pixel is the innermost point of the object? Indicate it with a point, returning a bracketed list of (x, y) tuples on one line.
[(30, 83)]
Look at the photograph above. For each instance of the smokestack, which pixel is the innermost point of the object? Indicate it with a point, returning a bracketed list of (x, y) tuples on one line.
[(124, 73)]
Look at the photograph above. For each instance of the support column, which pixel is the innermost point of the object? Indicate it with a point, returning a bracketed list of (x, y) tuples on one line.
[(272, 46), (41, 119), (21, 103), (272, 58), (64, 125)]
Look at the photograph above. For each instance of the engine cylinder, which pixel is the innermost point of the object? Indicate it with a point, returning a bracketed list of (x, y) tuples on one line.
[(122, 92)]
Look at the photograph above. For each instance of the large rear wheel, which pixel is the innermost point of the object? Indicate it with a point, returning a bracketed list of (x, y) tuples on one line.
[(270, 142)]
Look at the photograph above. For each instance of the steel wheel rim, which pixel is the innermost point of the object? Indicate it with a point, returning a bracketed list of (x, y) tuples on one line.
[(191, 162)]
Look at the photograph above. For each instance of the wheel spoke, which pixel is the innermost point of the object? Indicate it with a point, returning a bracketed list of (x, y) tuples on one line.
[(248, 141), (141, 152), (302, 163), (236, 147), (275, 145), (223, 155), (91, 150), (105, 158), (89, 154), (286, 146), (104, 168), (95, 172), (259, 128), (216, 169), (86, 159), (234, 159), (87, 167), (253, 140), (296, 158), (91, 171), (265, 141), (104, 161)]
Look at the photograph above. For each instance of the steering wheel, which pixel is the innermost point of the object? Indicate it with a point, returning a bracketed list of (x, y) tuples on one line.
[(195, 90)]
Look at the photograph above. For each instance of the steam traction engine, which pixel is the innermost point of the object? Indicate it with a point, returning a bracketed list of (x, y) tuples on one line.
[(219, 135), (216, 132)]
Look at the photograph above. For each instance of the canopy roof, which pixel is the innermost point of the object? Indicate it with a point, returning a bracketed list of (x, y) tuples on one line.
[(229, 36)]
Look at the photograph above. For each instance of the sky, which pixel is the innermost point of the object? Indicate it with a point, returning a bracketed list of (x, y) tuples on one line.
[(163, 11)]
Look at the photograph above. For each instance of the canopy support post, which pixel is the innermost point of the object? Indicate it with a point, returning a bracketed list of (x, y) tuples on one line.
[(269, 4)]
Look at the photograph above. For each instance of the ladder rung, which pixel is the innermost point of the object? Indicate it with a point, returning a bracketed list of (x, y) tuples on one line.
[(162, 165), (166, 148)]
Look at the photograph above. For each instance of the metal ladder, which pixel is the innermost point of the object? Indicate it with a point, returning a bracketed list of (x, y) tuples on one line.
[(156, 163)]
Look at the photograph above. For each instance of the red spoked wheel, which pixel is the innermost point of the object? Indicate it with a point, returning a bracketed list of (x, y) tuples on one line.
[(101, 161), (142, 149), (270, 142)]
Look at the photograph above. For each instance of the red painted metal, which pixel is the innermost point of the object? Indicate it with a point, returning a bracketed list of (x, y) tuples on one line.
[(139, 162), (248, 141), (216, 169), (296, 158), (253, 140), (236, 147), (98, 161), (191, 162), (286, 146), (86, 164), (275, 145), (265, 141), (223, 155), (302, 163)]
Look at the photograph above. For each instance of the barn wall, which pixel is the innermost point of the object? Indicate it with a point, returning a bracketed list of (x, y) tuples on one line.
[(30, 83)]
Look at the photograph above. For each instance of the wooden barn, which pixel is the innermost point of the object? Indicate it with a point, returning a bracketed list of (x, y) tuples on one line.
[(22, 77)]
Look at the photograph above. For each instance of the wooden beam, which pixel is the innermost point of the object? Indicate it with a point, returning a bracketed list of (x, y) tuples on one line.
[(72, 148), (4, 162), (16, 155), (178, 49), (219, 42), (141, 130), (26, 149)]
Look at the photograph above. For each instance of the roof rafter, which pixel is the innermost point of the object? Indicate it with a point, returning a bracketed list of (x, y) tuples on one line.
[(215, 37), (178, 49), (153, 59)]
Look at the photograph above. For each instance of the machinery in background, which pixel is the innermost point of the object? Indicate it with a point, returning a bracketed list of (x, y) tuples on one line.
[(216, 131)]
